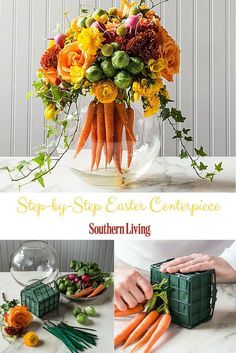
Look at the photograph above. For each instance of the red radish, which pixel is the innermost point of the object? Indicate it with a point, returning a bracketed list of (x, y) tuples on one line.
[(100, 26), (132, 21), (71, 277), (86, 278), (60, 39)]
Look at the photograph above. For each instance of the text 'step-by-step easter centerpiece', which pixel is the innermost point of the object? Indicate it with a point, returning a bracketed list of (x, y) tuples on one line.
[(103, 87)]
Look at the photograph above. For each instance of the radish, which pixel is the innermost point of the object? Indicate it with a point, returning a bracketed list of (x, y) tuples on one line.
[(60, 39), (86, 278), (71, 277), (132, 21), (100, 26)]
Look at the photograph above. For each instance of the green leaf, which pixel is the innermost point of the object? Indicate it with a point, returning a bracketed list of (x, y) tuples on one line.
[(52, 131), (66, 144), (56, 93), (183, 154), (210, 176), (186, 131), (200, 152), (178, 134), (40, 159), (188, 138), (165, 114), (218, 167), (38, 177), (202, 166), (177, 115)]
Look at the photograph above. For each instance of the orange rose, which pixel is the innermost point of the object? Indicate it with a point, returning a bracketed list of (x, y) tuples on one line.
[(50, 75), (71, 55), (19, 317), (171, 56), (170, 53)]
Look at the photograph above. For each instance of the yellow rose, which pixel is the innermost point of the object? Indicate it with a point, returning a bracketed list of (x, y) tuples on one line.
[(50, 112), (105, 91)]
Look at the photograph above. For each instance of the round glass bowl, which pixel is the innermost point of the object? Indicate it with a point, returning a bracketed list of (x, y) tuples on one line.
[(34, 261), (147, 132)]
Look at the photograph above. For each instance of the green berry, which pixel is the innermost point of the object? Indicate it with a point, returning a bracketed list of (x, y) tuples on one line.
[(134, 10), (122, 30), (107, 50), (89, 21), (112, 11)]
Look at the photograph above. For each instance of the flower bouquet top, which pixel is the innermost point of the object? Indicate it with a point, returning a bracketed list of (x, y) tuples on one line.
[(124, 53), (118, 56)]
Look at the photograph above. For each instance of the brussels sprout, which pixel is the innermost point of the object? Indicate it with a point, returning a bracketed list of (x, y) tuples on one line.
[(107, 50), (77, 310), (69, 293), (93, 73), (135, 66), (89, 21), (60, 281), (123, 79), (90, 311), (82, 318), (113, 11), (108, 69), (62, 288), (120, 59), (68, 283), (116, 46), (122, 30), (98, 13)]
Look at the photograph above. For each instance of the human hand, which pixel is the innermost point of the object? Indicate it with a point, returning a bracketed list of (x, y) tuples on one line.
[(131, 289), (201, 262)]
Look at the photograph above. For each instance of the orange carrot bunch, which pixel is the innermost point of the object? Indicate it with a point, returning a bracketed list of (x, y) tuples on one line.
[(148, 325), (105, 123)]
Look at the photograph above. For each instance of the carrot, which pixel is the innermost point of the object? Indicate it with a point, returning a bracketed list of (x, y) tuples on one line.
[(160, 330), (101, 133), (109, 124), (125, 332), (142, 328), (83, 293), (130, 113), (118, 130), (124, 117), (86, 128), (97, 290), (147, 336), (93, 142), (137, 309)]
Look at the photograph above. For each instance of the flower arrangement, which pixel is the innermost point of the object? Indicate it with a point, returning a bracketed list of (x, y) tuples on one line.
[(14, 318), (119, 56)]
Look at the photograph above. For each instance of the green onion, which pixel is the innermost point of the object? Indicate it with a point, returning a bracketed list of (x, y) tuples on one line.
[(75, 339)]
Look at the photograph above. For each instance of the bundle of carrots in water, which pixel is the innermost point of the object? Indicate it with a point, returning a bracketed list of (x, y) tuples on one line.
[(105, 123), (149, 324)]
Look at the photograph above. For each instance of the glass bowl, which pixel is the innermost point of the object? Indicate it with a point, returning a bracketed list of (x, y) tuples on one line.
[(34, 261)]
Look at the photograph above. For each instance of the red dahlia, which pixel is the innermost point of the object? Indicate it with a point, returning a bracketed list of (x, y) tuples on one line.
[(50, 57), (13, 331), (146, 24), (145, 45)]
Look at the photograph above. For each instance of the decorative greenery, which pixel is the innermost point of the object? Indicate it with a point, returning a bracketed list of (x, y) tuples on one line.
[(174, 118)]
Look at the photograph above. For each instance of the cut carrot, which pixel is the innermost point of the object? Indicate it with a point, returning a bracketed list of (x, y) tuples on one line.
[(147, 336), (101, 133), (142, 328), (126, 331), (137, 309), (130, 113), (97, 290), (86, 128), (124, 117), (93, 142), (109, 125), (160, 330), (118, 130), (83, 293)]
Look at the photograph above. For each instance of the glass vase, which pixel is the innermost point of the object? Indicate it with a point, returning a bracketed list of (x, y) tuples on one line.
[(147, 133)]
